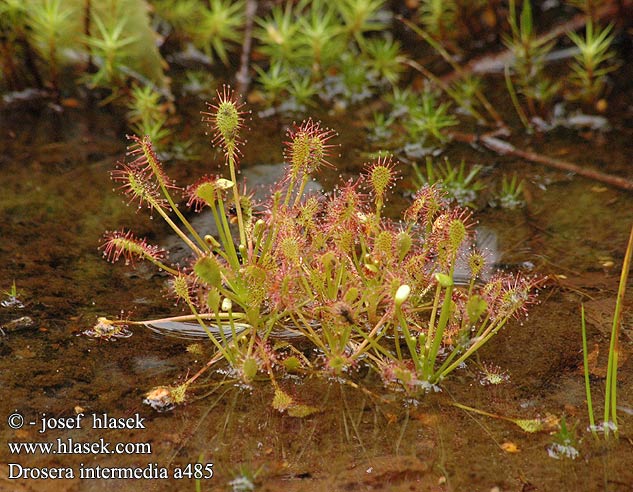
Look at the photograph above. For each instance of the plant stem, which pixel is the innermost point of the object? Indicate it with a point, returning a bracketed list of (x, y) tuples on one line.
[(220, 228), (429, 335), (222, 349), (160, 265), (302, 186), (236, 195), (585, 361), (481, 341), (178, 231), (271, 232), (229, 246), (411, 341), (372, 333), (178, 319), (515, 99), (429, 361), (184, 221), (217, 357), (610, 397)]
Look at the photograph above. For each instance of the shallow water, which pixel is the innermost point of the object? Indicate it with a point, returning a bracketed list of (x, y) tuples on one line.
[(57, 200)]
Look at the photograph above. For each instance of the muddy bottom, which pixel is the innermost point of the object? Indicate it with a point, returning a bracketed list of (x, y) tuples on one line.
[(57, 200)]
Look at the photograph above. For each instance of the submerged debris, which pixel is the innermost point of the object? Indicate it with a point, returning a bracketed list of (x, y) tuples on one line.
[(559, 451), (19, 324), (242, 484), (165, 398), (108, 330), (283, 402), (581, 121), (160, 399), (12, 302), (492, 375)]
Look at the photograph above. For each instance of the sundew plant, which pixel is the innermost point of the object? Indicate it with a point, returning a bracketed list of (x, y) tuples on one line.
[(332, 270)]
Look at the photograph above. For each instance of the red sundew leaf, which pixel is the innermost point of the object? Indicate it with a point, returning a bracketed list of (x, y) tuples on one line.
[(137, 185), (124, 244), (146, 162), (307, 148)]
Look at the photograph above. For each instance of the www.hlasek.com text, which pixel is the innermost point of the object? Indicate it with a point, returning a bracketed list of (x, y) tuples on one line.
[(69, 445)]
